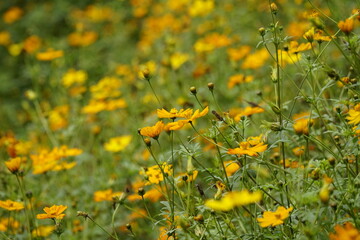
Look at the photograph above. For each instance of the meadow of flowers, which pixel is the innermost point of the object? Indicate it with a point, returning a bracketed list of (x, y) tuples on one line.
[(180, 119)]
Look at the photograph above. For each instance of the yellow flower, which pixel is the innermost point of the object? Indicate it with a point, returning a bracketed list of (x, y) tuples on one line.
[(255, 60), (234, 199), (5, 38), (274, 218), (251, 147), (248, 111), (201, 7), (14, 164), (237, 79), (42, 231), (84, 39), (155, 175), (54, 212), (178, 59), (302, 123), (189, 119), (12, 15), (345, 232), (58, 117), (32, 43), (235, 54), (8, 223), (347, 26), (73, 76), (295, 47), (231, 167), (118, 144), (153, 131), (354, 115), (106, 195), (11, 205), (174, 113), (49, 55)]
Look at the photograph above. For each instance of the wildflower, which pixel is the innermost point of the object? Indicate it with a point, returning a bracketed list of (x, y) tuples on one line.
[(12, 15), (274, 218), (255, 60), (155, 175), (84, 39), (14, 164), (345, 232), (11, 205), (295, 47), (201, 7), (73, 76), (8, 223), (153, 131), (189, 119), (235, 54), (54, 212), (118, 144), (42, 231), (58, 117), (302, 123), (49, 55), (346, 26), (31, 44), (251, 147), (237, 79), (107, 87), (5, 38), (178, 59), (231, 167), (354, 115), (234, 199), (298, 151), (248, 111), (106, 195), (173, 113), (324, 193)]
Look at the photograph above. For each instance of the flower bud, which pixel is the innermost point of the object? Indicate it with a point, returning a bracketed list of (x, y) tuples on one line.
[(273, 8), (193, 90), (211, 86), (262, 31)]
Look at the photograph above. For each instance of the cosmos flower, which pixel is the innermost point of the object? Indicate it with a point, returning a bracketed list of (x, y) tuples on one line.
[(252, 147), (274, 218), (11, 205), (54, 212)]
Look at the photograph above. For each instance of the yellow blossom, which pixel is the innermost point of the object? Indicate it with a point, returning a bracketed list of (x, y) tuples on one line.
[(155, 175), (14, 164), (237, 79), (12, 15), (234, 199), (201, 7), (5, 38), (49, 55), (83, 39), (31, 44), (235, 54), (8, 223), (231, 167), (255, 60), (178, 59), (54, 212), (153, 131), (354, 115), (106, 195), (302, 123), (345, 232), (11, 205), (346, 26), (274, 218), (73, 76), (43, 231), (252, 147), (118, 144), (248, 111), (174, 113)]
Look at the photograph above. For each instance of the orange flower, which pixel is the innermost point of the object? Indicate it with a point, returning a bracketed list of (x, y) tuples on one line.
[(14, 164), (345, 232), (153, 131), (54, 212), (189, 119), (302, 123), (354, 115), (49, 55), (274, 218), (174, 113), (12, 15), (251, 147), (106, 195), (11, 205), (346, 26), (248, 111)]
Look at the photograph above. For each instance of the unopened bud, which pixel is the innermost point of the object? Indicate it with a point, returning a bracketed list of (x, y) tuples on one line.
[(273, 8), (211, 86), (262, 31), (147, 142), (141, 192), (193, 90)]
